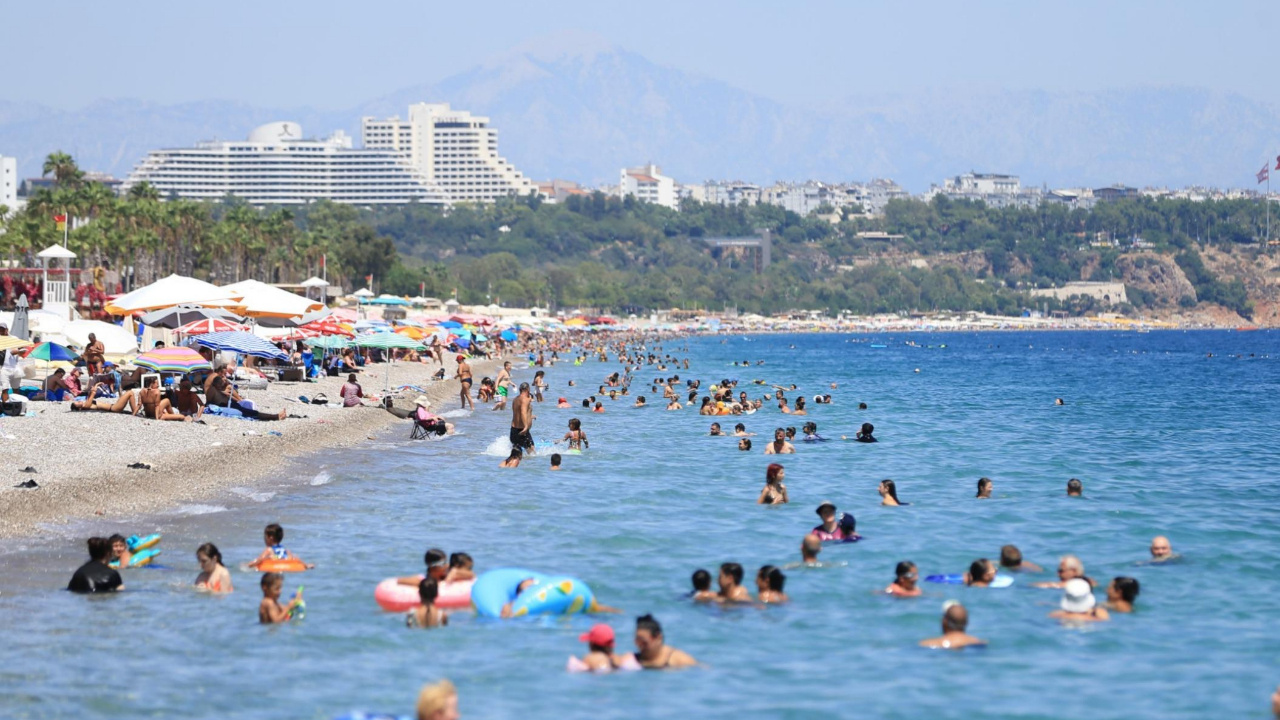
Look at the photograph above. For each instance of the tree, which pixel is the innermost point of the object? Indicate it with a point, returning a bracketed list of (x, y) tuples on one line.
[(63, 168)]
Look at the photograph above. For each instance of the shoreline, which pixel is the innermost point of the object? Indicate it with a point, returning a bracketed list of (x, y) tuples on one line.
[(81, 459)]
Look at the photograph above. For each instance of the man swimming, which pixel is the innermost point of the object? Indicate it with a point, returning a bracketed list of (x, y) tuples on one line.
[(1069, 568), (779, 446), (955, 620), (1011, 560), (1161, 550)]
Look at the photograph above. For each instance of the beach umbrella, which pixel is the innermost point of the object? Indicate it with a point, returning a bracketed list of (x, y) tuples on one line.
[(262, 300), (451, 324), (329, 342), (387, 341), (168, 292), (480, 338), (326, 327), (20, 327), (509, 336), (9, 342), (243, 343), (211, 325), (50, 352), (462, 342), (174, 317), (180, 360)]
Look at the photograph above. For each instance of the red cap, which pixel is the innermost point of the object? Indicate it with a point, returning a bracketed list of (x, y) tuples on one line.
[(599, 634), (460, 358)]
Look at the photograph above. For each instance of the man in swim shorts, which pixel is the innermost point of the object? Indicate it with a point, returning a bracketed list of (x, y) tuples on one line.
[(464, 377), (503, 385), (522, 420), (955, 619)]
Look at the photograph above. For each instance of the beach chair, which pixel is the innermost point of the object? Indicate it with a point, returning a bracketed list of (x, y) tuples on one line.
[(419, 432)]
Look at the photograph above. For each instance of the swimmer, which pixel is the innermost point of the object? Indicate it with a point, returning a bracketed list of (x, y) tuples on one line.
[(214, 576), (985, 486), (427, 615), (864, 434), (1161, 550), (562, 403), (1069, 568), (955, 620), (513, 460), (904, 581), (438, 702), (576, 438), (744, 444), (1075, 488), (1058, 401), (639, 402), (1011, 560), (600, 657), (810, 430), (273, 536), (120, 551), (775, 491), (731, 590), (715, 430), (270, 611), (599, 407), (740, 430), (521, 587), (800, 407), (862, 406), (779, 446), (810, 546), (981, 573), (461, 567), (652, 652), (674, 404), (829, 529), (437, 568), (555, 461), (1079, 604), (888, 493), (769, 583), (1121, 593), (702, 587)]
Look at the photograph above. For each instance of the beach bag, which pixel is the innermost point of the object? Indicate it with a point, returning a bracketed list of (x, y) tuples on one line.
[(320, 399)]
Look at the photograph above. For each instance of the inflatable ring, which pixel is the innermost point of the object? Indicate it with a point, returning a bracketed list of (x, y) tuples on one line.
[(549, 595), (137, 543), (281, 566), (394, 597), (141, 558)]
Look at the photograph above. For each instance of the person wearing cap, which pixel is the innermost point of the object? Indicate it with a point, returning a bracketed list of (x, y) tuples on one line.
[(600, 657), (463, 375), (563, 403), (829, 529), (426, 420), (1079, 604), (955, 620)]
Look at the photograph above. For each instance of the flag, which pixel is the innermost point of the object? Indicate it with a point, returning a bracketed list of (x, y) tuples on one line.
[(1264, 174), (61, 221), (322, 260), (369, 278)]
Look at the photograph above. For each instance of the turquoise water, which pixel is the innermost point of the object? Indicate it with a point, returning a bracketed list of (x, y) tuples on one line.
[(1167, 441)]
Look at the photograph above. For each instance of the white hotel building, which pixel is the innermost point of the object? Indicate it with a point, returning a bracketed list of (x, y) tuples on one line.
[(276, 166), (453, 149)]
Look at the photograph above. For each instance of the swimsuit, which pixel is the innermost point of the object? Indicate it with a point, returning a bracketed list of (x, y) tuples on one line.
[(279, 553), (520, 438)]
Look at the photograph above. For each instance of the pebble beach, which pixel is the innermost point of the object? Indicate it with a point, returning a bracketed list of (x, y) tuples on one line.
[(81, 460)]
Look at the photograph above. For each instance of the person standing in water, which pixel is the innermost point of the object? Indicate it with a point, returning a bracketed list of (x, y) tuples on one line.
[(955, 620), (464, 378), (522, 420)]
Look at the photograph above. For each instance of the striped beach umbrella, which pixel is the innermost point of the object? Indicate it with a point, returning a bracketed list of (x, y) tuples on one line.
[(172, 360), (9, 342), (242, 342), (50, 352), (387, 341), (329, 342), (211, 325)]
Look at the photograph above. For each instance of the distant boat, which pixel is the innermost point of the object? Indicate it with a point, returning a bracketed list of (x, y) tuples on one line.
[(1246, 328)]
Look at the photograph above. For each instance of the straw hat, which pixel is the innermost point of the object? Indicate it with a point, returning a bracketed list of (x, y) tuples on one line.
[(423, 402)]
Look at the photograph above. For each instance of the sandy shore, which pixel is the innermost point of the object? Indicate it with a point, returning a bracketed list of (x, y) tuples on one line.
[(82, 459)]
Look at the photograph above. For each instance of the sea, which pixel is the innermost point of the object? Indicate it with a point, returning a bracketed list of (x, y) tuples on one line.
[(1172, 433)]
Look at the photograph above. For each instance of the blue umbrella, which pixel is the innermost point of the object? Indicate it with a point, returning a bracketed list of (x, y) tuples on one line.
[(51, 352), (462, 342), (509, 336), (243, 343), (481, 338), (451, 324)]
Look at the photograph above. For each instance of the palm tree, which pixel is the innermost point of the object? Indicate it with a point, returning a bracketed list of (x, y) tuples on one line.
[(144, 191), (63, 168)]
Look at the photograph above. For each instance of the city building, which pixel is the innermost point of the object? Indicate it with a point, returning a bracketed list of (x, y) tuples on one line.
[(9, 182), (733, 192), (1115, 192), (277, 166), (983, 184), (557, 191), (453, 149), (647, 183)]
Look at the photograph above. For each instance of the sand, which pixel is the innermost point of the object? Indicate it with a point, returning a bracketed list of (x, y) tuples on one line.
[(81, 459)]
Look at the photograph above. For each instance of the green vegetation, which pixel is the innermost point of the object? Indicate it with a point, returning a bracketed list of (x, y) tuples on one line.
[(626, 255)]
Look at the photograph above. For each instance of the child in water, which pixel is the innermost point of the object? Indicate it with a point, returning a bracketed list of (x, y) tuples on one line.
[(273, 536), (702, 587), (120, 550), (270, 611), (460, 568), (427, 615), (904, 583), (577, 439), (213, 576)]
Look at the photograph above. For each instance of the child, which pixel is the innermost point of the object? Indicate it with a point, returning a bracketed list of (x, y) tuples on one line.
[(904, 584), (437, 568), (460, 568), (555, 461), (702, 587), (599, 407), (213, 576), (577, 439), (120, 550), (273, 536), (513, 460), (427, 615), (270, 611)]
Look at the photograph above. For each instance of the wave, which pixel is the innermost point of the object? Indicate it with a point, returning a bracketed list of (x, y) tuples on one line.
[(199, 509), (251, 495), (321, 478)]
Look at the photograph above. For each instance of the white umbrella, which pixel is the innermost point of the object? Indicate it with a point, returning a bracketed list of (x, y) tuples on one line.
[(260, 299), (170, 291), (116, 340)]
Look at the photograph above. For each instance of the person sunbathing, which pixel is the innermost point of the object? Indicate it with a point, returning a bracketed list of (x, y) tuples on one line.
[(155, 405), (127, 400)]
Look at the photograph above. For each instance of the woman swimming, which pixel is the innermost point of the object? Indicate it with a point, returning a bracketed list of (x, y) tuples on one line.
[(213, 576), (889, 494), (774, 492)]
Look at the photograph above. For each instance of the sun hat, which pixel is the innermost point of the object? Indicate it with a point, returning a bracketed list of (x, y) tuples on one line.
[(1077, 596), (599, 634), (825, 504), (422, 402)]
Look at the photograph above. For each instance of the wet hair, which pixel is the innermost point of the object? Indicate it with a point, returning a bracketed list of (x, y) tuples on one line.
[(978, 570), (891, 489), (117, 538), (862, 406), (555, 459), (733, 570), (210, 551), (99, 548), (1010, 556), (791, 432), (1074, 486), (1127, 587), (434, 557), (776, 579), (524, 387), (649, 624), (428, 590), (274, 532), (867, 429), (848, 523), (575, 424), (745, 443), (983, 482), (701, 580), (269, 579), (640, 400), (586, 403), (903, 568), (516, 453), (460, 560), (706, 400), (809, 428), (771, 472), (800, 403), (739, 428)]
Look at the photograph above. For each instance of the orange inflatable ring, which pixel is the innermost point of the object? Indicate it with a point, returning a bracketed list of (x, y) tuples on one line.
[(274, 565)]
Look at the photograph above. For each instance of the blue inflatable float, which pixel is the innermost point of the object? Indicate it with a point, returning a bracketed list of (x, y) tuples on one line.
[(1000, 581), (549, 594)]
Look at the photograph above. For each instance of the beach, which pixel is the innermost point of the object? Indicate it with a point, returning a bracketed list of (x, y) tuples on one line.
[(82, 459)]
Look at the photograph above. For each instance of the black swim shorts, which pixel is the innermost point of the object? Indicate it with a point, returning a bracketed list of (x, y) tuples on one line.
[(520, 439)]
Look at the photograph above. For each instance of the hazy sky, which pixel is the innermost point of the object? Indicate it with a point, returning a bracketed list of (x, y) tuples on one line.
[(330, 54)]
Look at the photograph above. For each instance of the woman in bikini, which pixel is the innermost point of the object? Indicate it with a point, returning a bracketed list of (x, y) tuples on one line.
[(774, 492), (213, 576), (577, 439)]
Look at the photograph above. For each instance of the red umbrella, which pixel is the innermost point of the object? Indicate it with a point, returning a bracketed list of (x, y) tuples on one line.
[(210, 325), (325, 327)]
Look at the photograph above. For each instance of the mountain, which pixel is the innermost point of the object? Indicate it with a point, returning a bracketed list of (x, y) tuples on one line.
[(578, 108)]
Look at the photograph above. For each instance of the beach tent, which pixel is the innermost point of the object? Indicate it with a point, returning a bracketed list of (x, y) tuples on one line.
[(243, 343), (167, 292), (259, 299), (117, 342)]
